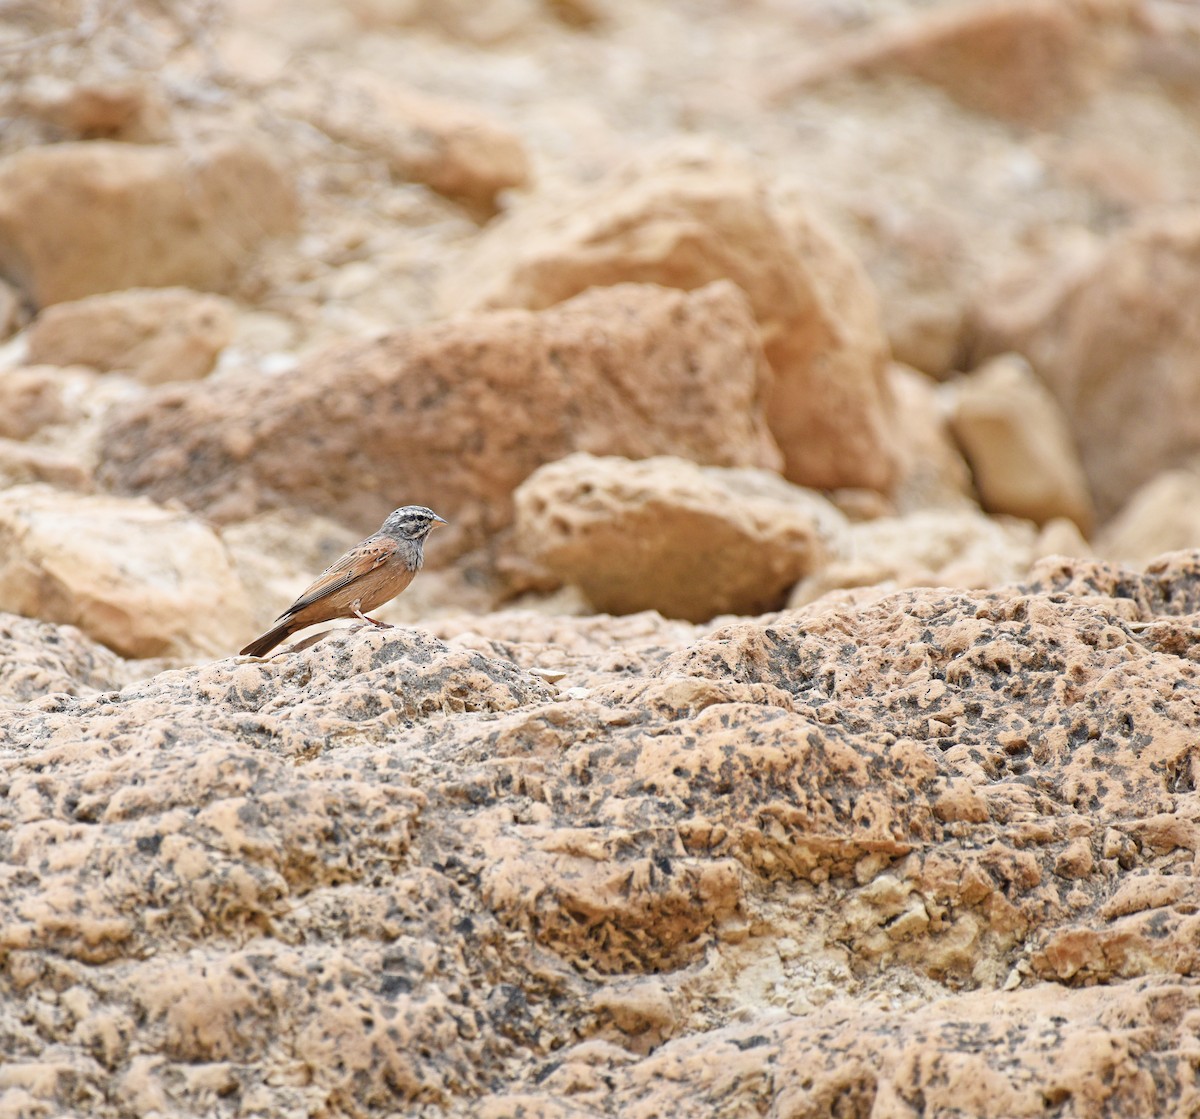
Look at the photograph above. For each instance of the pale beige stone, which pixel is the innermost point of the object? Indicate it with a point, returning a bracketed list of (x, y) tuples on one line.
[(1029, 61), (456, 149), (697, 213), (1161, 516), (476, 21), (36, 396), (665, 534), (131, 108), (932, 471), (77, 219), (168, 334), (931, 548), (142, 580), (1115, 339), (22, 463), (1019, 446), (456, 415)]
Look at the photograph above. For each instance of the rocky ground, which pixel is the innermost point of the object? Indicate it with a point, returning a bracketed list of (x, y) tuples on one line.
[(799, 715)]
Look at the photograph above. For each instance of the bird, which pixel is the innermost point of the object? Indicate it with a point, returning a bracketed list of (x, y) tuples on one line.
[(368, 575)]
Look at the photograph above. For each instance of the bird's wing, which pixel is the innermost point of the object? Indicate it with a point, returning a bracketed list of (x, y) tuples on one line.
[(367, 556)]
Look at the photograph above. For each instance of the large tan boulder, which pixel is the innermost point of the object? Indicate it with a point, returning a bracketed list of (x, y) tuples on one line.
[(143, 580), (168, 334), (77, 219), (665, 534), (1016, 438), (456, 415), (696, 214)]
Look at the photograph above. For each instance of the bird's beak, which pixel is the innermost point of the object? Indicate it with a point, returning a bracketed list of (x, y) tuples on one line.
[(440, 520)]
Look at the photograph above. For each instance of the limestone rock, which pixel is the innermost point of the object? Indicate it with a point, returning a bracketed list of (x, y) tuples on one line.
[(37, 659), (456, 415), (37, 396), (667, 535), (391, 872), (454, 148), (129, 109), (932, 472), (1116, 344), (935, 548), (1161, 516), (693, 215), (143, 581), (170, 334), (22, 463), (1027, 61), (964, 1055), (77, 219), (475, 21), (10, 310), (1017, 441)]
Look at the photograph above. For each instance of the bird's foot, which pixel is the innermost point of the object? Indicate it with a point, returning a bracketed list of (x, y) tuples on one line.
[(373, 621)]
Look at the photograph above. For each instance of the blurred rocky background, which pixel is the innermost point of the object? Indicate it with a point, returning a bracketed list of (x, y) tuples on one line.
[(800, 714)]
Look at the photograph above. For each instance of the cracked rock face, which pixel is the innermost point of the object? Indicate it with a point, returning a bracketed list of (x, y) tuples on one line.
[(552, 866)]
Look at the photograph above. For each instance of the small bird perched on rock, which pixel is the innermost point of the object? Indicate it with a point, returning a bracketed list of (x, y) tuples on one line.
[(367, 576)]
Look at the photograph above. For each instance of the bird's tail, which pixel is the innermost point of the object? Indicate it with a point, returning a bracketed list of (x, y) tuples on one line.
[(263, 645)]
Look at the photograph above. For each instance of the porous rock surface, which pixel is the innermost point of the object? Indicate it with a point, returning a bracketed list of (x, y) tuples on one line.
[(551, 866), (458, 413)]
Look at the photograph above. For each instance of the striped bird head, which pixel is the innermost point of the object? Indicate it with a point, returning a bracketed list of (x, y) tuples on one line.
[(412, 522)]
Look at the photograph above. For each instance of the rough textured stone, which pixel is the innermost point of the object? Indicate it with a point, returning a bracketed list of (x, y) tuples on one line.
[(667, 535), (452, 147), (39, 658), (77, 219), (170, 334), (457, 415), (1017, 441), (389, 872), (1029, 61), (144, 581), (965, 1055), (693, 215)]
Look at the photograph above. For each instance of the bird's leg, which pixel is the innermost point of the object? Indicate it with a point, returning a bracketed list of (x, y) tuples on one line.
[(354, 609)]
